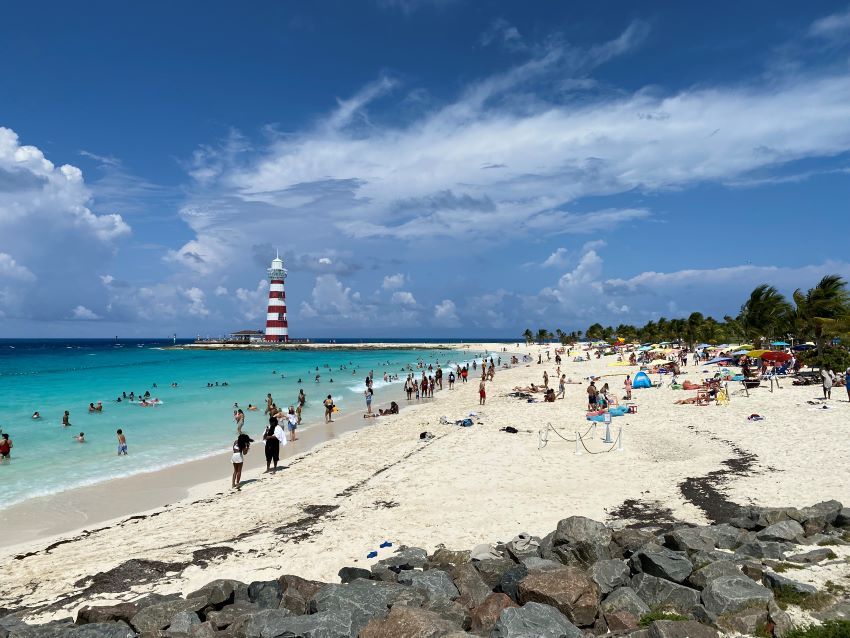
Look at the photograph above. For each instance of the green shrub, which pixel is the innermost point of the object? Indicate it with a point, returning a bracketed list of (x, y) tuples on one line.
[(829, 629), (837, 359), (786, 596), (648, 619)]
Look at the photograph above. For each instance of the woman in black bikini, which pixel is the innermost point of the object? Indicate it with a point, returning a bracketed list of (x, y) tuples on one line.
[(240, 448)]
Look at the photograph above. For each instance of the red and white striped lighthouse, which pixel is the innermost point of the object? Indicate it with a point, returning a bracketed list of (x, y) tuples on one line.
[(277, 328)]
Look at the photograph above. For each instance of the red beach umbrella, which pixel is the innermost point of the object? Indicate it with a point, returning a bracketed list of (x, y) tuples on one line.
[(775, 355)]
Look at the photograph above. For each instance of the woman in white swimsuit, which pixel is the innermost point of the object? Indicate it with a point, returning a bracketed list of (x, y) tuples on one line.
[(240, 448)]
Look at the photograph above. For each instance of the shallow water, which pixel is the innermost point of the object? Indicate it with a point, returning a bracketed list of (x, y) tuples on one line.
[(193, 421)]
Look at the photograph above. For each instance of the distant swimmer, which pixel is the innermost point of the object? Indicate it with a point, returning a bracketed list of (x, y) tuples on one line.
[(6, 446), (36, 415), (122, 443), (80, 438), (252, 408), (66, 419)]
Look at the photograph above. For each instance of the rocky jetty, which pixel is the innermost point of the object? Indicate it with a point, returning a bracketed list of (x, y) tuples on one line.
[(584, 578)]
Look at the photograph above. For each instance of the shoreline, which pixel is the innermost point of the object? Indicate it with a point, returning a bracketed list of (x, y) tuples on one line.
[(329, 346)]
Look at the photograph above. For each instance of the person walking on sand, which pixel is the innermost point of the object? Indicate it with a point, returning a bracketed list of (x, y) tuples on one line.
[(628, 385), (329, 409), (122, 443), (592, 394), (828, 380), (66, 419), (482, 393), (562, 387), (368, 400), (6, 446), (272, 444), (240, 448)]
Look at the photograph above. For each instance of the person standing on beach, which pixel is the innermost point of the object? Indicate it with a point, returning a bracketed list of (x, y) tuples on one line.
[(545, 379), (329, 409), (122, 443), (240, 448), (628, 384), (6, 446), (269, 403), (292, 423), (272, 444), (451, 380), (592, 394), (828, 379), (66, 419), (368, 400), (482, 393), (562, 387), (239, 417)]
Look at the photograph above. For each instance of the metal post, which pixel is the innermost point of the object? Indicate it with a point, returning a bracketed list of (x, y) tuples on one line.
[(578, 443), (607, 438), (620, 440)]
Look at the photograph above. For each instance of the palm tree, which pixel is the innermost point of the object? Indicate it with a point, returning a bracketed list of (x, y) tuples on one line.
[(765, 313), (543, 336), (594, 332), (692, 327), (823, 310), (528, 336)]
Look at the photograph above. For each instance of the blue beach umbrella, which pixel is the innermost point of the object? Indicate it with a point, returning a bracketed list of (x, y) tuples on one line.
[(718, 360), (779, 343)]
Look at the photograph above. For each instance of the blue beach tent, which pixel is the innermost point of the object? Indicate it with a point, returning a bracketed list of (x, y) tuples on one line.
[(641, 380)]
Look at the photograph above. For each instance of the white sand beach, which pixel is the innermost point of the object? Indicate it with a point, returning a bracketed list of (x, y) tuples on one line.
[(338, 501)]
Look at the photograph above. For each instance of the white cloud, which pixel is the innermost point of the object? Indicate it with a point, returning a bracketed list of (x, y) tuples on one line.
[(106, 279), (393, 281), (9, 268), (84, 314), (557, 258), (404, 298), (253, 302), (832, 26), (325, 261), (220, 291), (445, 313), (196, 299)]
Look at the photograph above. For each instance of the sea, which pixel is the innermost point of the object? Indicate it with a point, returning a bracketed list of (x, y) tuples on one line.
[(193, 420)]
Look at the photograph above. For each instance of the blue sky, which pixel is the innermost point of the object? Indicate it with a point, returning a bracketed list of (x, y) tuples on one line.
[(426, 167)]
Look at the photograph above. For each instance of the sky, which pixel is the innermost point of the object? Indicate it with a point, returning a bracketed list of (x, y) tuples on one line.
[(426, 168)]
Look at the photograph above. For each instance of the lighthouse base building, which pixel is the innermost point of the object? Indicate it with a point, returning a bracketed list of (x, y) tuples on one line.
[(277, 328)]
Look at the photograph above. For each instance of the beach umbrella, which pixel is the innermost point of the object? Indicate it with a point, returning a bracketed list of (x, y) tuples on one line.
[(738, 353), (658, 362), (803, 346), (775, 355), (755, 354), (745, 346), (779, 343), (645, 348), (718, 360)]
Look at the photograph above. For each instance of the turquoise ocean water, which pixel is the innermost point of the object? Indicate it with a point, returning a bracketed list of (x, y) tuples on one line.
[(193, 421)]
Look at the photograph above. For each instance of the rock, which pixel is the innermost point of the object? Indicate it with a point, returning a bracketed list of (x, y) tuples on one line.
[(407, 622), (631, 540), (568, 589), (450, 610), (657, 592), (625, 599), (731, 593), (203, 630), (228, 615), (782, 624), (443, 556), (546, 545), (816, 518), (435, 583), (753, 570), (812, 557), (155, 599), (582, 541), (785, 531), (272, 623), (405, 558), (843, 518), (534, 619), (296, 593), (364, 599), (705, 538), (101, 630), (510, 580), (836, 611), (537, 564), (473, 590), (621, 621), (767, 516), (743, 621), (347, 574), (680, 629), (775, 581), (701, 577), (182, 622), (743, 522), (218, 592), (484, 616), (610, 574), (661, 562), (107, 613), (159, 616), (522, 546), (762, 549), (493, 569), (266, 594), (701, 614)]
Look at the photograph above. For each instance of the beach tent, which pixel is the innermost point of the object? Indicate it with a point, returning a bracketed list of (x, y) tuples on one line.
[(641, 380), (779, 343)]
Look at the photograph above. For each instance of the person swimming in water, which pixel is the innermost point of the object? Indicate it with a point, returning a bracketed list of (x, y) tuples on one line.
[(80, 438), (36, 415)]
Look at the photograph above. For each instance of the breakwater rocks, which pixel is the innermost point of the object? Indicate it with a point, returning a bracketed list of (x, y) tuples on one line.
[(585, 578)]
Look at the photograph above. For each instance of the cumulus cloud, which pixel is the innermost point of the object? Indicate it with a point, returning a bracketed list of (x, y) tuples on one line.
[(9, 268), (393, 281), (220, 291), (253, 302), (557, 258), (404, 298), (84, 314), (445, 313), (196, 299), (832, 26)]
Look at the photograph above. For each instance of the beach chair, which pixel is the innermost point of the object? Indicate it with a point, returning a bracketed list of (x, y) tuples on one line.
[(703, 398)]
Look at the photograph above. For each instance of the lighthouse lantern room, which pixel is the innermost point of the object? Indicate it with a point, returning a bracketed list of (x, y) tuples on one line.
[(277, 328)]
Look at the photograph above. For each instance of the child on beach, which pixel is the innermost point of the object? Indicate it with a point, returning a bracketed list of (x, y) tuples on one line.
[(122, 443), (482, 393)]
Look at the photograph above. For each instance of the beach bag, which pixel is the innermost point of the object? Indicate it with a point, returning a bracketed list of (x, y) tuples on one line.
[(465, 423)]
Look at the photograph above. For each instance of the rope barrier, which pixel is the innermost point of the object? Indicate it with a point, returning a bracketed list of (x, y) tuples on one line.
[(543, 435)]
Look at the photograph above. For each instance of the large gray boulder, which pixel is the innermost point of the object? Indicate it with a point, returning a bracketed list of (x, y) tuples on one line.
[(568, 589), (747, 620), (661, 562), (657, 592), (435, 583), (582, 541), (731, 593), (101, 630), (762, 549), (347, 574), (625, 599), (492, 570), (266, 594), (610, 574), (405, 558), (510, 580), (816, 518), (183, 621), (159, 616), (107, 613), (630, 540), (782, 532), (701, 577), (296, 593), (473, 590), (407, 622), (767, 516), (534, 620), (813, 556), (228, 615), (775, 581), (279, 623), (450, 610), (536, 564), (680, 629), (219, 592), (364, 599), (705, 538)]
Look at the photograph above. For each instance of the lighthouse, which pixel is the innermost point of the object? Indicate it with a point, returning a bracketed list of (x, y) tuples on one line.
[(276, 326)]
